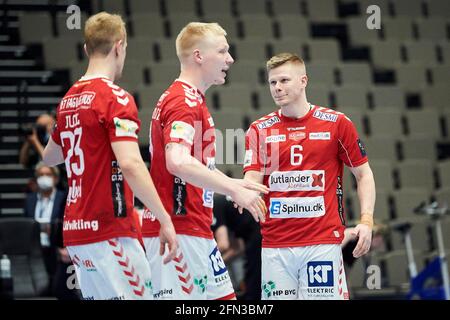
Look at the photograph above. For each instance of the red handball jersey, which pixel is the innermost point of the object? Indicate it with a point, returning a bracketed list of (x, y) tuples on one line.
[(94, 113), (181, 116), (302, 161)]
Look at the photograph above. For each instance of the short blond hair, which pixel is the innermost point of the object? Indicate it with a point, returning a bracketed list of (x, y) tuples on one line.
[(102, 30), (194, 32), (285, 57)]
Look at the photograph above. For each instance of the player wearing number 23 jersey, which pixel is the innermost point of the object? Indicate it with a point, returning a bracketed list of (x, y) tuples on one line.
[(94, 113), (99, 228), (96, 138)]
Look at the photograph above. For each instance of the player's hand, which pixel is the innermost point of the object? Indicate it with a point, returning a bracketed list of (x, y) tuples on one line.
[(168, 236), (364, 234), (250, 200), (260, 218)]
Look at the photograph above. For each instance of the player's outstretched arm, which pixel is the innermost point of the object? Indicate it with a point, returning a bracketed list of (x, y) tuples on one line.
[(53, 154), (366, 195), (254, 178), (180, 163), (138, 178)]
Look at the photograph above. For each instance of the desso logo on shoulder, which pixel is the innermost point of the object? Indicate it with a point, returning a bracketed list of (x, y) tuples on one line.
[(325, 116), (301, 180), (298, 207), (268, 123)]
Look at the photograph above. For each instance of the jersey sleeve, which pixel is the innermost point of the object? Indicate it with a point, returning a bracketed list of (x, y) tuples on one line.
[(252, 159), (122, 120), (351, 149), (180, 121)]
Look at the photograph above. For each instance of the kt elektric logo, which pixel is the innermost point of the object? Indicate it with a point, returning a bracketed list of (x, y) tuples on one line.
[(275, 207), (217, 262), (320, 274)]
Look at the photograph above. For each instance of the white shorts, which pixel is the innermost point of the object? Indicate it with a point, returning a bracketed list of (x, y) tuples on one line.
[(114, 269), (303, 273), (197, 273)]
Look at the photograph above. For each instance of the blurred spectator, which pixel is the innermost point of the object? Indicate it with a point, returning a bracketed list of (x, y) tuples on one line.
[(46, 206), (36, 139), (229, 246), (246, 240)]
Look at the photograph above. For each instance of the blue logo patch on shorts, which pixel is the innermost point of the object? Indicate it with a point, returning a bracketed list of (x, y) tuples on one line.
[(217, 263), (320, 274)]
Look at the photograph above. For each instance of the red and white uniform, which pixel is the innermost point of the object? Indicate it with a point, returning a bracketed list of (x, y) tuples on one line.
[(181, 116), (114, 269), (304, 273), (94, 113), (305, 198), (302, 161), (198, 271)]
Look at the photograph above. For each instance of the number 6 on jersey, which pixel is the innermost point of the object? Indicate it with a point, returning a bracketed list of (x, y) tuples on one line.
[(296, 155)]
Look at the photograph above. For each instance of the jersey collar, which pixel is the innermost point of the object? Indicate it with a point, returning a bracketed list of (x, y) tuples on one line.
[(94, 76), (192, 86), (312, 107)]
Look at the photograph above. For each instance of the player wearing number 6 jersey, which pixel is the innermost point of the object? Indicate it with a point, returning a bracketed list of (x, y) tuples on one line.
[(96, 137), (299, 152)]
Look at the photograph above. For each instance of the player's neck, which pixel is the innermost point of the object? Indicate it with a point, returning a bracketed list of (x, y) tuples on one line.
[(193, 79), (297, 110), (100, 67)]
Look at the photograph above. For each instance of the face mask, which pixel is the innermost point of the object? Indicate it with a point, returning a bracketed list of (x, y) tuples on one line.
[(45, 183)]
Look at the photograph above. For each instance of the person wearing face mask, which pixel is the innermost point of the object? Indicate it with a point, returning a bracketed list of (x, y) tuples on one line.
[(36, 138), (46, 206)]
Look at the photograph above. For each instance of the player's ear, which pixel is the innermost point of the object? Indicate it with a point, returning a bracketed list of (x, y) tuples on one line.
[(85, 50), (197, 56), (117, 47), (304, 80)]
